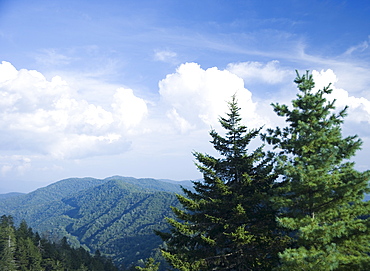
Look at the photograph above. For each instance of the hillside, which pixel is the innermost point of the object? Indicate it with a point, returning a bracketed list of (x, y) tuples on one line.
[(25, 250), (10, 195), (116, 215), (52, 192)]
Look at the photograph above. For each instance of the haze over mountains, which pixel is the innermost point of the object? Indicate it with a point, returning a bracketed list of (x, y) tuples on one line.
[(116, 215)]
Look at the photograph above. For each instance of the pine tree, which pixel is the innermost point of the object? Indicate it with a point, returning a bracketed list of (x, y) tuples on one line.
[(7, 244), (150, 265), (227, 223), (28, 256), (321, 194)]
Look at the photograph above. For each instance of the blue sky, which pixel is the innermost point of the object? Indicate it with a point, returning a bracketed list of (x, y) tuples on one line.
[(100, 88)]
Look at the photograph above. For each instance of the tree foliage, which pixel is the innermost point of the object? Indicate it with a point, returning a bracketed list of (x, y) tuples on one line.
[(8, 244), (22, 249), (228, 222), (116, 215), (150, 265), (321, 195)]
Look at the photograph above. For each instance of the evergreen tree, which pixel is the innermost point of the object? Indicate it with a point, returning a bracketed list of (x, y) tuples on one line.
[(228, 222), (7, 244), (150, 265), (28, 255), (23, 231), (21, 249), (321, 194)]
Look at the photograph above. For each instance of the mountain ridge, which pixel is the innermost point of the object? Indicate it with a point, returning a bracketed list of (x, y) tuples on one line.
[(116, 215)]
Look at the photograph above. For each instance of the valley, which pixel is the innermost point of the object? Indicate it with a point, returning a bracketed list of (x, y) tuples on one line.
[(116, 215)]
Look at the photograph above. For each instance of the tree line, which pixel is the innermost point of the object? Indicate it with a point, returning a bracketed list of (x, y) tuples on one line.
[(22, 249), (299, 206)]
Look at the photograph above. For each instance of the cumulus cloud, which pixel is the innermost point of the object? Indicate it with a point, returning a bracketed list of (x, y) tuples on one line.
[(182, 124), (197, 97), (129, 109), (48, 117), (78, 146), (359, 107), (270, 72)]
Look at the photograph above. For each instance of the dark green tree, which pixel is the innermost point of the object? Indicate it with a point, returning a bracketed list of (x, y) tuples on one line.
[(227, 223), (27, 254), (321, 195)]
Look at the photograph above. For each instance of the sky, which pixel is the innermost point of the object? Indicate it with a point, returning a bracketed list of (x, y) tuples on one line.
[(132, 88)]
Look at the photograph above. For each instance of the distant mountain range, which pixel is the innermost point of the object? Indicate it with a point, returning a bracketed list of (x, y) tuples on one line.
[(116, 215)]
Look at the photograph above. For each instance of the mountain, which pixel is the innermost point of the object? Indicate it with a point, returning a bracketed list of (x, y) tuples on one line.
[(52, 192), (10, 195), (116, 215), (187, 183)]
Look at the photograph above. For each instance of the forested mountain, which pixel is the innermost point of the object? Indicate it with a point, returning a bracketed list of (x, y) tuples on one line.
[(116, 215), (53, 192), (22, 249), (10, 195)]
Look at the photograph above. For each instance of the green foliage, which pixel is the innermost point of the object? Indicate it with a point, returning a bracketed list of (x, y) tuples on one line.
[(21, 249), (53, 192), (321, 194), (10, 195), (150, 265), (8, 244), (116, 215), (228, 222)]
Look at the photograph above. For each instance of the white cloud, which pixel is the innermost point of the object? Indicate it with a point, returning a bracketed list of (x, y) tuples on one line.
[(358, 48), (49, 118), (269, 73), (165, 56), (50, 57), (359, 107), (78, 146), (8, 72), (324, 78), (180, 122), (130, 110), (14, 164), (198, 97)]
